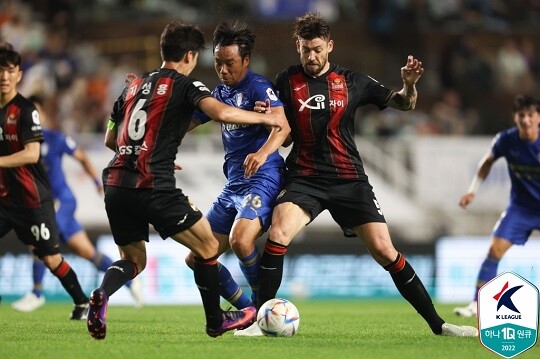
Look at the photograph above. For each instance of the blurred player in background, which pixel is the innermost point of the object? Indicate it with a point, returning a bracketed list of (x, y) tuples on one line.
[(26, 203), (71, 232), (324, 168), (253, 166), (520, 146), (147, 125)]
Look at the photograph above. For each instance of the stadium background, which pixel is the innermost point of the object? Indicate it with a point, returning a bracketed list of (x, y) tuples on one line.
[(477, 55)]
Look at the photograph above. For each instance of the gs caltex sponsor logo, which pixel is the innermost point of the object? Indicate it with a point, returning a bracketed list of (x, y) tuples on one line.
[(508, 314)]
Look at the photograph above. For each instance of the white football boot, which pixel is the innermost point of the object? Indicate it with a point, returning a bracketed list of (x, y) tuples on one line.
[(451, 330), (28, 303), (252, 331), (468, 311)]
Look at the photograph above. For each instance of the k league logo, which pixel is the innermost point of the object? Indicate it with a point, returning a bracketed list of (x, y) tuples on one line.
[(508, 314)]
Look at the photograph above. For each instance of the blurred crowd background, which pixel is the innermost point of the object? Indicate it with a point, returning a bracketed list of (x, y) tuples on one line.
[(478, 54)]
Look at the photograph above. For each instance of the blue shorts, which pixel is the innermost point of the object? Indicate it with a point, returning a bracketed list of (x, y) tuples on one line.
[(253, 198), (516, 224), (65, 216)]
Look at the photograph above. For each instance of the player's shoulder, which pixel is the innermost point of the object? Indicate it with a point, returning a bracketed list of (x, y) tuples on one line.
[(23, 103)]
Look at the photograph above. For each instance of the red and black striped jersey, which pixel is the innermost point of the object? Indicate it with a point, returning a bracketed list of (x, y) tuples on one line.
[(321, 112), (24, 186), (152, 114)]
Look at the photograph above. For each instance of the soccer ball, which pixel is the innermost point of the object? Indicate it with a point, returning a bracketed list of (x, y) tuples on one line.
[(278, 318)]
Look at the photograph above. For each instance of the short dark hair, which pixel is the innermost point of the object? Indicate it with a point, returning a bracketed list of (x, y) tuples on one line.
[(310, 26), (8, 56), (178, 38), (523, 102), (234, 33)]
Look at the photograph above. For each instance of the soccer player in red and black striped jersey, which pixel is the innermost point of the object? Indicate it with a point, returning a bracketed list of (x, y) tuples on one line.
[(324, 168), (147, 125), (26, 203)]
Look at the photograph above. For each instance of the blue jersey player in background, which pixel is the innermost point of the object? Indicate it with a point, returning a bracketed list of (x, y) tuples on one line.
[(55, 146), (253, 167), (520, 146)]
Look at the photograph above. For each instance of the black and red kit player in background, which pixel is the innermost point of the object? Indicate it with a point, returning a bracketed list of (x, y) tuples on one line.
[(26, 203), (147, 125), (324, 168)]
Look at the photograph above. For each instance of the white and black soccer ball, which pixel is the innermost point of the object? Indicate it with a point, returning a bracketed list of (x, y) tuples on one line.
[(278, 317)]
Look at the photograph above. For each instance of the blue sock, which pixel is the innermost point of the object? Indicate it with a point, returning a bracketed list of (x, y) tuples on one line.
[(229, 289), (488, 271), (250, 268), (38, 272)]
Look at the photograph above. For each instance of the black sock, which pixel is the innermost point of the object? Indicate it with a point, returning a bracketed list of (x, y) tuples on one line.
[(271, 271), (413, 290), (117, 275), (68, 278), (206, 278)]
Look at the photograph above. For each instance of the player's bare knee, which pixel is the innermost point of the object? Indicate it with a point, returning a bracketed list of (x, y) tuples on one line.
[(189, 260)]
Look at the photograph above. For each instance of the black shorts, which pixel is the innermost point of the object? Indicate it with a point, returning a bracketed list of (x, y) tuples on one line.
[(33, 226), (350, 202), (130, 211)]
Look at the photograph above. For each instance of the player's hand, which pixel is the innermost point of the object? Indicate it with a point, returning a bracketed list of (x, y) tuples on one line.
[(262, 106), (466, 199), (129, 78), (253, 162), (412, 71), (177, 167)]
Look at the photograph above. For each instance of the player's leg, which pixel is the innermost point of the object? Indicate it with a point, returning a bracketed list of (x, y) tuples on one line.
[(287, 220), (37, 227), (228, 288), (205, 247), (35, 298), (514, 226), (242, 240), (377, 239)]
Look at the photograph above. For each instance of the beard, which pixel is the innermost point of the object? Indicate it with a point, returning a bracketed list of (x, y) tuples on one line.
[(313, 68)]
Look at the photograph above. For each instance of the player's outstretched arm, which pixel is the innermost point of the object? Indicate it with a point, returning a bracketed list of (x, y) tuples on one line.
[(406, 98), (28, 155), (484, 167), (254, 161), (229, 114)]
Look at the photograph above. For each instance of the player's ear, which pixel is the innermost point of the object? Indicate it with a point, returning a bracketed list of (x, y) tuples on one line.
[(330, 45), (298, 46)]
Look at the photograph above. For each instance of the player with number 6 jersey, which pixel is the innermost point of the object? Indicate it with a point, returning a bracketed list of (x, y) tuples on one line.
[(147, 125)]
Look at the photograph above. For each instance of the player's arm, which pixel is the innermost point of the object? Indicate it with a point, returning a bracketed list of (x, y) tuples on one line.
[(406, 98), (229, 114), (482, 171), (110, 135), (28, 155), (80, 155), (264, 107), (254, 161)]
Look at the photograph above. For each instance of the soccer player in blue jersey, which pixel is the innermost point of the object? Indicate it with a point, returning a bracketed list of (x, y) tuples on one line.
[(26, 203), (325, 170), (56, 145), (253, 166), (520, 147)]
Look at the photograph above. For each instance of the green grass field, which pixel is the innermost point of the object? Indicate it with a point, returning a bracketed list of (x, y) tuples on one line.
[(328, 329)]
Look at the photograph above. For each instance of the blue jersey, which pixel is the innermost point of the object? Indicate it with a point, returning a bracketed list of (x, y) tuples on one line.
[(241, 140), (523, 159), (55, 146)]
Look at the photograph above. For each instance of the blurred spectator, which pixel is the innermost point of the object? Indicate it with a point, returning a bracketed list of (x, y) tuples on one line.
[(451, 117), (513, 69)]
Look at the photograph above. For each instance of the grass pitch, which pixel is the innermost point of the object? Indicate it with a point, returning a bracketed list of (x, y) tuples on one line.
[(328, 329)]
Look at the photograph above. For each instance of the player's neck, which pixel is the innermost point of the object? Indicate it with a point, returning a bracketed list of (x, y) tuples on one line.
[(5, 98), (176, 66)]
